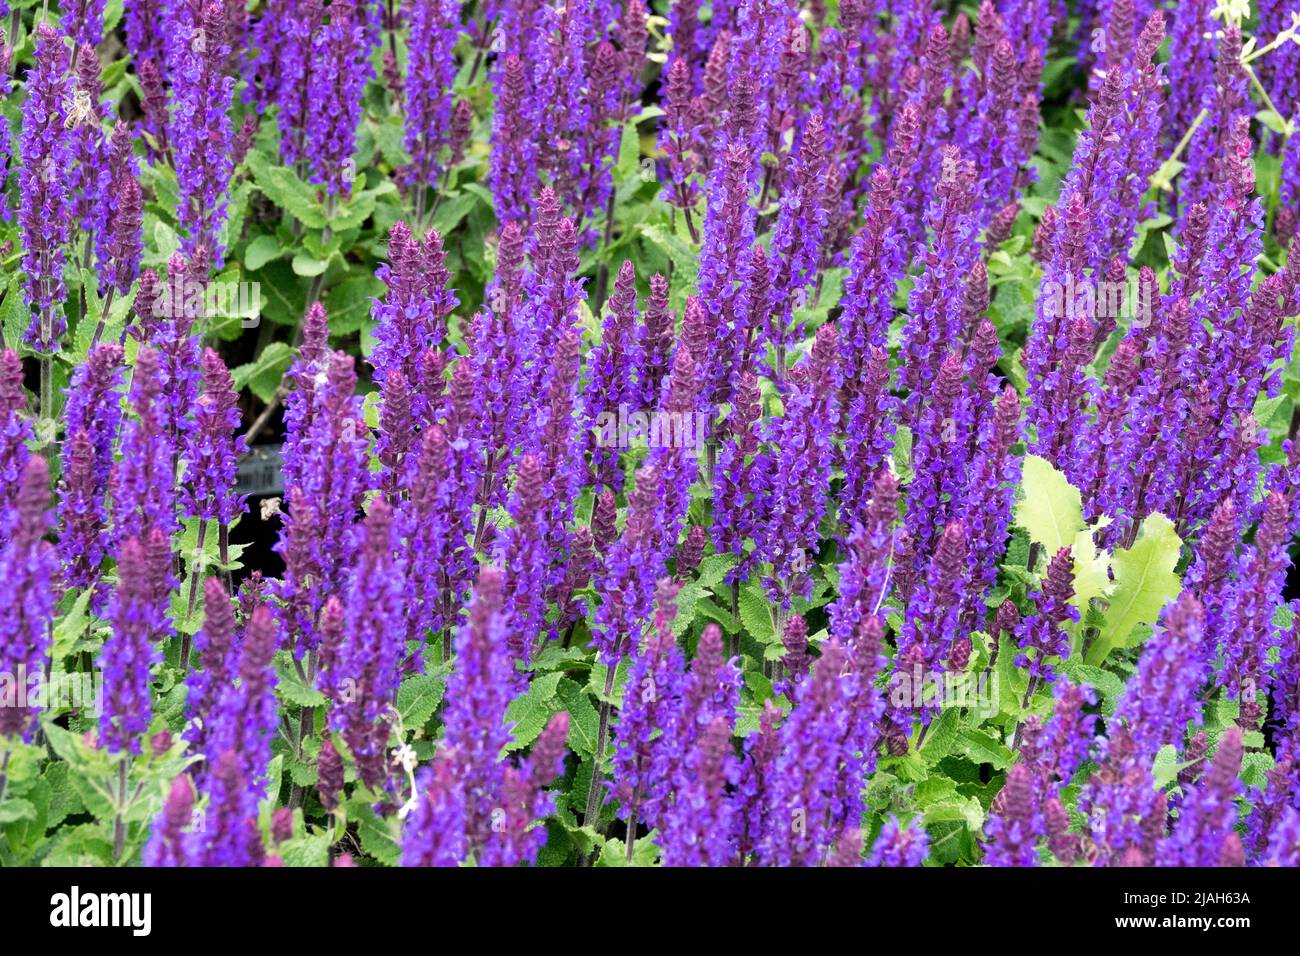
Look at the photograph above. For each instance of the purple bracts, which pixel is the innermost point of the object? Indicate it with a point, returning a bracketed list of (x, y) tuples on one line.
[(199, 129), (15, 432), (899, 846), (470, 804), (1162, 701), (340, 55), (1042, 631), (29, 578), (431, 71), (138, 614), (143, 482), (211, 449), (1203, 834), (363, 677), (1016, 823), (92, 416), (45, 210)]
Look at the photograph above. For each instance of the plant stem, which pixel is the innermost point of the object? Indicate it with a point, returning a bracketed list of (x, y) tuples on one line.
[(196, 573), (593, 792), (223, 551), (119, 825), (103, 317), (631, 836), (304, 728), (734, 637), (47, 386), (1032, 558), (602, 274), (264, 418), (1277, 41)]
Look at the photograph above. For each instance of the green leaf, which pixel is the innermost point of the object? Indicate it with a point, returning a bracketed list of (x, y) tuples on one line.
[(306, 850), (1273, 121), (680, 251), (1166, 766), (980, 748), (72, 626), (452, 211), (418, 697), (529, 712), (1144, 583), (262, 250), (378, 834), (942, 736), (1050, 509), (15, 809), (644, 852), (959, 809), (15, 316), (584, 722), (903, 453), (308, 266), (283, 293), (1108, 685), (756, 614), (1091, 568), (290, 687), (285, 189), (348, 303), (629, 155), (263, 375)]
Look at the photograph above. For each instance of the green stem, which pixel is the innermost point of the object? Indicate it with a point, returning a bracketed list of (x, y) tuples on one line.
[(196, 574), (119, 824), (594, 791)]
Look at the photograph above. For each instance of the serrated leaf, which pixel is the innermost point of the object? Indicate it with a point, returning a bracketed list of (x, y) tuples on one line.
[(530, 712), (584, 721), (756, 615), (378, 834), (644, 852), (289, 686), (1144, 583), (418, 697), (306, 850), (1091, 567), (980, 748), (285, 189), (959, 809), (1109, 686), (941, 737), (1050, 508)]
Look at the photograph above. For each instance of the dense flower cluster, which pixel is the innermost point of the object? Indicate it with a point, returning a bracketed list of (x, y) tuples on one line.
[(722, 433)]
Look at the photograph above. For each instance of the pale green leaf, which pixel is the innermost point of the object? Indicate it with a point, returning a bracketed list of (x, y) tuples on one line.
[(1144, 583), (1051, 509)]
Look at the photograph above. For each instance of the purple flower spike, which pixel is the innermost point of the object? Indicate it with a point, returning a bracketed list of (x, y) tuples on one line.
[(29, 578), (138, 614)]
